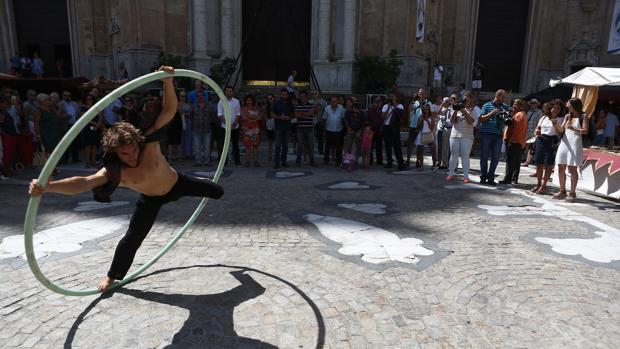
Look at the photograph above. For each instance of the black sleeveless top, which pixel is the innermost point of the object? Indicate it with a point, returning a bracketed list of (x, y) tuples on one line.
[(113, 166)]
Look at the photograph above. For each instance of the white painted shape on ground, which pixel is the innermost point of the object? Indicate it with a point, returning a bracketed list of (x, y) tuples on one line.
[(287, 174), (374, 244), (94, 205), (349, 185), (206, 174), (63, 239), (365, 208), (602, 249)]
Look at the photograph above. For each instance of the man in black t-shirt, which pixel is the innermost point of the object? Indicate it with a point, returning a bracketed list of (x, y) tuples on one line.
[(282, 113), (354, 121)]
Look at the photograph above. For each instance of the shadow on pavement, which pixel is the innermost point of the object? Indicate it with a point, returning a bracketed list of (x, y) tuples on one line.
[(210, 321)]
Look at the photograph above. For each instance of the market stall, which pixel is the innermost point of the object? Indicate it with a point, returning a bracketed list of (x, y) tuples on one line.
[(600, 172)]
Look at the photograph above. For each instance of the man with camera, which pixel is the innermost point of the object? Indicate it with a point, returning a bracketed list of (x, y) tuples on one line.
[(494, 117), (392, 112), (515, 138)]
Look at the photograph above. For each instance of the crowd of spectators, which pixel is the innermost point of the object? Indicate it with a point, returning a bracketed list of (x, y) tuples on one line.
[(346, 134)]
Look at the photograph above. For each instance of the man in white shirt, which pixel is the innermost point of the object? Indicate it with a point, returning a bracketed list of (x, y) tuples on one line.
[(290, 85), (437, 76), (235, 117)]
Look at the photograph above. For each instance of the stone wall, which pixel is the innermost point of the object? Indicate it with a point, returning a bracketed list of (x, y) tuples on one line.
[(562, 34), (127, 34)]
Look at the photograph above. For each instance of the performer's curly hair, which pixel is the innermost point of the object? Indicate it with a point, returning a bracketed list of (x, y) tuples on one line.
[(119, 134)]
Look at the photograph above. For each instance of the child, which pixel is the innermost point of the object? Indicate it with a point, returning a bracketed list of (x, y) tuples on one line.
[(366, 145)]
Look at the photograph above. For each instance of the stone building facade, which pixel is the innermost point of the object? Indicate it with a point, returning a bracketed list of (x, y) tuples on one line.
[(554, 37)]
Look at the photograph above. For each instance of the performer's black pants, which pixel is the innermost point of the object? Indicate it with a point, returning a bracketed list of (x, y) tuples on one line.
[(146, 211)]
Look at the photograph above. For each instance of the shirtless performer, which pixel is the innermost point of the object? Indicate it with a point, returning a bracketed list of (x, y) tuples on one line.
[(135, 161)]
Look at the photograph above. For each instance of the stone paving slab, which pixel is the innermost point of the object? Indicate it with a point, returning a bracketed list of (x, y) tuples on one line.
[(252, 274)]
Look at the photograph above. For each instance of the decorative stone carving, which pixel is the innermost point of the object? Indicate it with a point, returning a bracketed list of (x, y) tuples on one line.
[(583, 51)]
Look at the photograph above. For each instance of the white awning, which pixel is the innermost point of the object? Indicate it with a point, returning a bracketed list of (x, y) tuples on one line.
[(591, 76)]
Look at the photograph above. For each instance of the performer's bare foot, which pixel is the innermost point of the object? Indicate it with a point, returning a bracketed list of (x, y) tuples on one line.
[(105, 283)]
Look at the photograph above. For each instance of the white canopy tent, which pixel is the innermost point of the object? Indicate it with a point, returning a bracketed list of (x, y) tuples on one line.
[(591, 76), (587, 82)]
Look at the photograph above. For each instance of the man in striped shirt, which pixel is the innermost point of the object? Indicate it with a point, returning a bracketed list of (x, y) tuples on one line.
[(304, 112), (491, 131)]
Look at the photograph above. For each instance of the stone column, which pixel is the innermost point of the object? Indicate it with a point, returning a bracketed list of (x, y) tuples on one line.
[(8, 34), (199, 28), (227, 29), (323, 30), (74, 38), (471, 25), (350, 30)]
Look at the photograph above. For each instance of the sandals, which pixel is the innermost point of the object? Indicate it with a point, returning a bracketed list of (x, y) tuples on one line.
[(571, 197), (559, 196), (535, 189), (542, 190)]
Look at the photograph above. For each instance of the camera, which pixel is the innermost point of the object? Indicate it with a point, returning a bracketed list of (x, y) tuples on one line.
[(506, 117), (458, 105)]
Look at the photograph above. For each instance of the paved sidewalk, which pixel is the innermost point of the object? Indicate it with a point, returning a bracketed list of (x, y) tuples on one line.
[(319, 258)]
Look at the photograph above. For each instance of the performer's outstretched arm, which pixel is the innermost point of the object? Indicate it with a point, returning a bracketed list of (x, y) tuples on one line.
[(169, 105), (69, 186)]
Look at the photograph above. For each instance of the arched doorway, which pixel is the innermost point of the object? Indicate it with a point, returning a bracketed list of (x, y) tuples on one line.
[(276, 39), (500, 42), (43, 26)]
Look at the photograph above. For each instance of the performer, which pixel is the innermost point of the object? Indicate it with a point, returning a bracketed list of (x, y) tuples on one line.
[(135, 161)]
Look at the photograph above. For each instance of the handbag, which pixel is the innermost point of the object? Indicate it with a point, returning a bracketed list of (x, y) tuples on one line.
[(427, 138), (40, 157)]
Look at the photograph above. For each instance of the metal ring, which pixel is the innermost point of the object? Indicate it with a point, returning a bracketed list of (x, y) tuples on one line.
[(65, 142)]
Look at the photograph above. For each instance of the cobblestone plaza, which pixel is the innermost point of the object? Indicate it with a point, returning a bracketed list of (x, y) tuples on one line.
[(318, 258)]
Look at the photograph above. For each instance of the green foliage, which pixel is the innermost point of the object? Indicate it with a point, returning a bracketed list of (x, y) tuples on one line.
[(170, 60), (377, 73), (176, 62), (222, 71)]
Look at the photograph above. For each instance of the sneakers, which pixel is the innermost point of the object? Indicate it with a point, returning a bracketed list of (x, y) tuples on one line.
[(466, 180), (449, 178), (3, 177)]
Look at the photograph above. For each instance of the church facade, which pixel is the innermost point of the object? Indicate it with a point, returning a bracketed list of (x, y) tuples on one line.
[(520, 44)]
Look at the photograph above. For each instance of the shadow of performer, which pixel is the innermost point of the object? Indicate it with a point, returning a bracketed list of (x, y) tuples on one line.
[(210, 321)]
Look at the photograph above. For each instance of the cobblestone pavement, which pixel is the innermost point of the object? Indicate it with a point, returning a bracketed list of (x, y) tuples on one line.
[(255, 272)]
